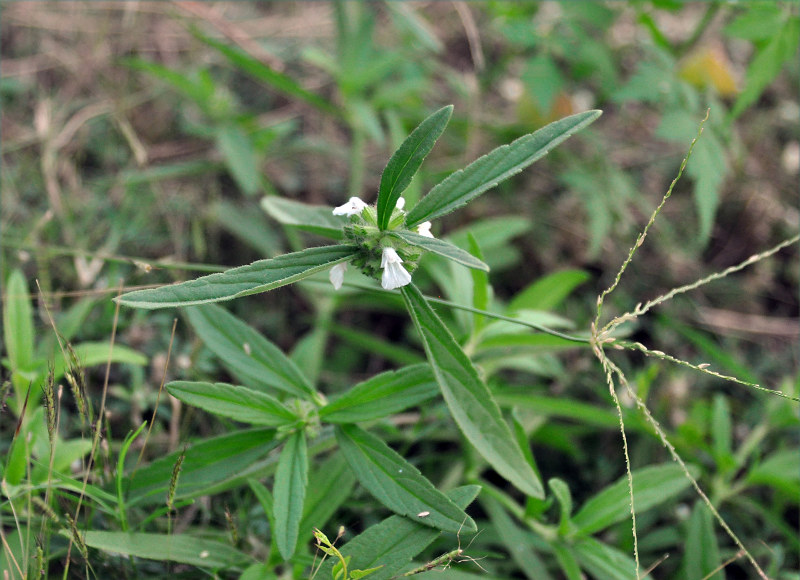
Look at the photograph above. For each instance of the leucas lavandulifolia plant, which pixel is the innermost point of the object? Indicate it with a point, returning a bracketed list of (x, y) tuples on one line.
[(385, 242)]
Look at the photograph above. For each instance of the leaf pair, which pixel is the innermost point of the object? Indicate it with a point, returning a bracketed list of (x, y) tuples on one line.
[(454, 192)]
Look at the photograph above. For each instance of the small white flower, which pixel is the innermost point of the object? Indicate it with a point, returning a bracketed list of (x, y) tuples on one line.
[(394, 275), (424, 229), (336, 275), (401, 203), (352, 207)]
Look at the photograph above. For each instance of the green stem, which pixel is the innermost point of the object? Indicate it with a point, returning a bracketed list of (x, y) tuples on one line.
[(540, 328)]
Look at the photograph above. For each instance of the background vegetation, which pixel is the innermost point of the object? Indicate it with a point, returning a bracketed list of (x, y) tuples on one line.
[(139, 140)]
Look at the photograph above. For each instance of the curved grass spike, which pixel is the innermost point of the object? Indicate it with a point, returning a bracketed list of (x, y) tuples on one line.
[(407, 160), (602, 337)]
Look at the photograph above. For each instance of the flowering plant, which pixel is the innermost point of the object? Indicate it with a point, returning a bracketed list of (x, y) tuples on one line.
[(384, 242)]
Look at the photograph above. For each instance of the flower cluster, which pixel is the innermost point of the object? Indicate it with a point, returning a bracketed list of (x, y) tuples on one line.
[(376, 247)]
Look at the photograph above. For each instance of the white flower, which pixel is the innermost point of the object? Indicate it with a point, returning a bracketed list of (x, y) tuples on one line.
[(336, 275), (394, 275), (401, 203), (352, 207), (424, 229)]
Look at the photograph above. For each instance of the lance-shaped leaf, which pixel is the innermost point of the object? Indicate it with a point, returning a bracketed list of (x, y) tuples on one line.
[(651, 485), (291, 479), (317, 219), (383, 395), (406, 161), (254, 278), (442, 248), (397, 484), (200, 552), (494, 167), (392, 543), (470, 401), (239, 403), (246, 353), (207, 465)]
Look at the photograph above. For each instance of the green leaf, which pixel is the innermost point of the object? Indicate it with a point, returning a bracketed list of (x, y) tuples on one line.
[(181, 548), (548, 292), (652, 485), (206, 464), (329, 486), (239, 403), (246, 353), (767, 64), (370, 343), (515, 540), (392, 543), (264, 73), (721, 433), (18, 322), (561, 492), (442, 248), (291, 480), (779, 470), (254, 278), (397, 484), (240, 157), (603, 561), (191, 86), (480, 287), (317, 219), (494, 167), (701, 549), (383, 395), (239, 219), (407, 160), (471, 403)]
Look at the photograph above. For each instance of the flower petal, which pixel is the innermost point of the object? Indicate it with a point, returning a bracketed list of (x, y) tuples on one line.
[(353, 206), (401, 203), (394, 274), (424, 229), (336, 275)]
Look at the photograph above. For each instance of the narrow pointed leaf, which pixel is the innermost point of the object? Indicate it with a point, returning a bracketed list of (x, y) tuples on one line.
[(259, 70), (254, 278), (181, 548), (291, 480), (383, 395), (701, 549), (397, 484), (18, 322), (246, 353), (470, 401), (329, 486), (494, 167), (652, 486), (603, 561), (406, 161), (442, 248), (239, 403), (317, 219), (516, 540), (392, 543), (206, 465)]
